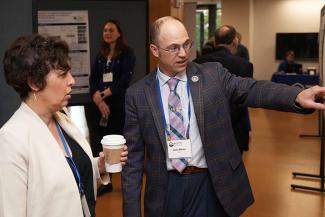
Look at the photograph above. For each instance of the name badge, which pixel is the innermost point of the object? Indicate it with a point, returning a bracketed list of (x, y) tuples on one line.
[(179, 148), (108, 77)]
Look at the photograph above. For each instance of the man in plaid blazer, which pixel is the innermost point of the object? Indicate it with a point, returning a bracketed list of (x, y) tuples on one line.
[(214, 182)]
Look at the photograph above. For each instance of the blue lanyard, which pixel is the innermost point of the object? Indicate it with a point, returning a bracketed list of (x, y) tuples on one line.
[(74, 167), (163, 112)]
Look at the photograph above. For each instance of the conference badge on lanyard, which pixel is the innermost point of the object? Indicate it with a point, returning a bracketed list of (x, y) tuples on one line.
[(108, 77), (179, 148)]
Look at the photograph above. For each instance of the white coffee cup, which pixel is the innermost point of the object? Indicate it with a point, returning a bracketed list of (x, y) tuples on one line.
[(112, 148)]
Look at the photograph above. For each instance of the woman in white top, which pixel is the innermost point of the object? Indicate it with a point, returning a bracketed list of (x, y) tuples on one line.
[(46, 165)]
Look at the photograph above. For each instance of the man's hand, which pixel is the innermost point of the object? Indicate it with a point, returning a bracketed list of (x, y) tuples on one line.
[(307, 97)]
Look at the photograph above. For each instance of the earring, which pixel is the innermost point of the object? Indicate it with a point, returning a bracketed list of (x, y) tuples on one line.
[(35, 97)]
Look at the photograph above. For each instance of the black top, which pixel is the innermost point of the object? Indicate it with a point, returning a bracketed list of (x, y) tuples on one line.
[(235, 65), (290, 67), (122, 67), (242, 51), (84, 166)]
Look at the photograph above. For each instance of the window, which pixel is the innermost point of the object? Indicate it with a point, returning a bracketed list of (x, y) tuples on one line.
[(208, 19)]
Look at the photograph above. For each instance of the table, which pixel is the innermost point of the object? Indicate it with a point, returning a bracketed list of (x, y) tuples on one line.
[(293, 78)]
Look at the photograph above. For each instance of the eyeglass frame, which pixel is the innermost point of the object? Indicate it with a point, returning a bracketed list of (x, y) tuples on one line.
[(188, 42)]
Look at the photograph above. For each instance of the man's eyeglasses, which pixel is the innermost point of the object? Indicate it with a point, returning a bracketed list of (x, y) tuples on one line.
[(176, 48)]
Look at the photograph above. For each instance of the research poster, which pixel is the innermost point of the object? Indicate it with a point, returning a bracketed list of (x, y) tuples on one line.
[(72, 27)]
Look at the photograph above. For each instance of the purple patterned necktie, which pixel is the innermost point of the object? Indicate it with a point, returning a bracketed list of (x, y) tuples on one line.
[(176, 121)]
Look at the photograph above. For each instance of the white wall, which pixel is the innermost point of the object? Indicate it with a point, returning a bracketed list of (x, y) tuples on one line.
[(189, 23), (237, 16), (259, 20)]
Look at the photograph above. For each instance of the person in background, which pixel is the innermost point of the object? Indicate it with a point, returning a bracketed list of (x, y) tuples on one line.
[(242, 50), (209, 46), (178, 129), (226, 42), (289, 60), (110, 76), (46, 165)]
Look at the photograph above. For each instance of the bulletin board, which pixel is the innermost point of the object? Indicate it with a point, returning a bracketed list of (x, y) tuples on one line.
[(132, 15)]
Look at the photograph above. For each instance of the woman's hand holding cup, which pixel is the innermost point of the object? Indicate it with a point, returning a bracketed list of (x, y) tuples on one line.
[(124, 155), (115, 152), (101, 163), (101, 160)]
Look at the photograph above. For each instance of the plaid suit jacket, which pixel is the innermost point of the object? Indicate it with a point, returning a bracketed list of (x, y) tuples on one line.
[(211, 94)]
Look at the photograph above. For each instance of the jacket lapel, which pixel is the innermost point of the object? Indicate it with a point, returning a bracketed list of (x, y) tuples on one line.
[(73, 132), (151, 93), (69, 127), (195, 80)]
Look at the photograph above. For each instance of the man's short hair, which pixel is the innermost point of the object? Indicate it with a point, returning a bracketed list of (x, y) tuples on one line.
[(225, 35)]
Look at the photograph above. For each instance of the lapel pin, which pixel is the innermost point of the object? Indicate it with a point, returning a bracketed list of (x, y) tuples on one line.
[(195, 78)]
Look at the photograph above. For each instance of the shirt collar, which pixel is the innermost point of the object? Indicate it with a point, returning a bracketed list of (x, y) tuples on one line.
[(164, 78)]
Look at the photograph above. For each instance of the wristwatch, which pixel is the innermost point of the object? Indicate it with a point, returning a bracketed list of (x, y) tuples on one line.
[(102, 94)]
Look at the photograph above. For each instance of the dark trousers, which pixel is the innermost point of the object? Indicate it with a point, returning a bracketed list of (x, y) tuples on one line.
[(191, 195)]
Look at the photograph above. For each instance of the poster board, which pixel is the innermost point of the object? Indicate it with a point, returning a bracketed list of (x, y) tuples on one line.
[(133, 16), (72, 27)]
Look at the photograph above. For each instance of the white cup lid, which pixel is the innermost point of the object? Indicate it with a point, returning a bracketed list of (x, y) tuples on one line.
[(113, 140)]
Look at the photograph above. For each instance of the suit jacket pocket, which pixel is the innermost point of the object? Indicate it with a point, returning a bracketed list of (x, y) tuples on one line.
[(235, 162)]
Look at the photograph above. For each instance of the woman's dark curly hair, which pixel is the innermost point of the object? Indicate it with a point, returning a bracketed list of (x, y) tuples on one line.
[(30, 58), (104, 48)]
